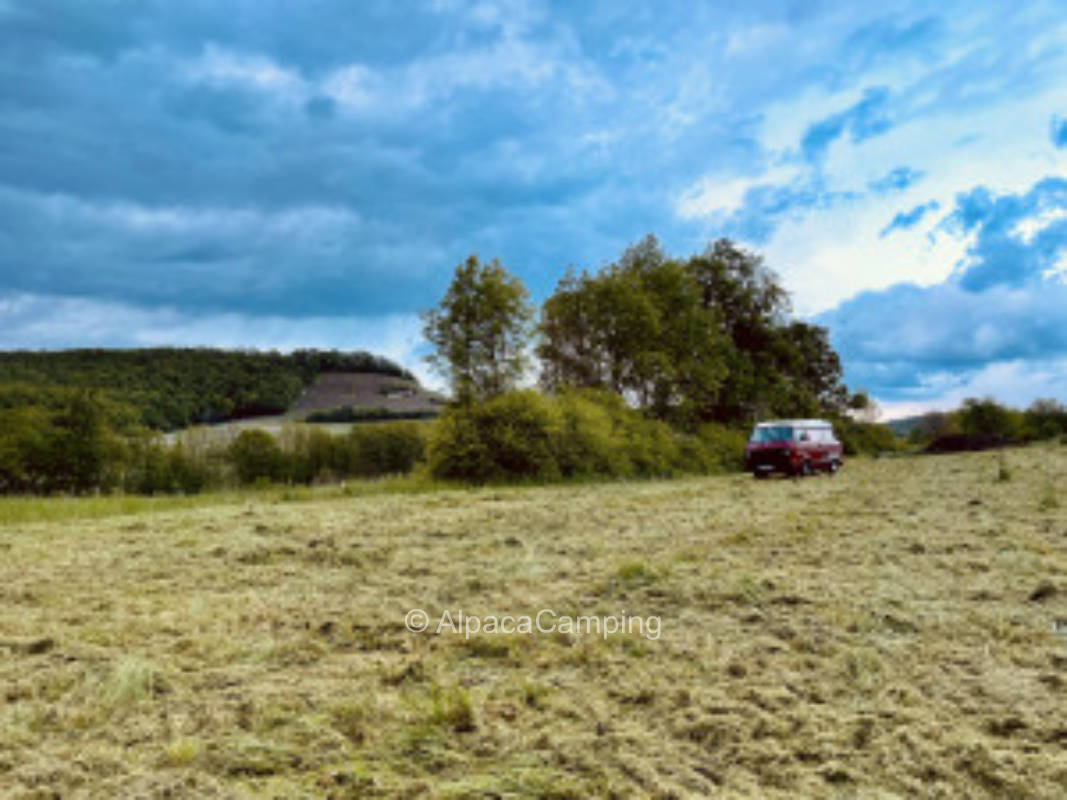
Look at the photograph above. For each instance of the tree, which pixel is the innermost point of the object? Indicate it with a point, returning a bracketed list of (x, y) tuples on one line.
[(1045, 418), (255, 455), (987, 417), (705, 339), (637, 328), (85, 448), (480, 331)]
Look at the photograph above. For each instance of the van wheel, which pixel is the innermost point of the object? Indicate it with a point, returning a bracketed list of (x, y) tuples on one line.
[(835, 465), (805, 469)]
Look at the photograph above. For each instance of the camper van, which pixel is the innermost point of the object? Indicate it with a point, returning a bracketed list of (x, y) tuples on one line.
[(793, 447)]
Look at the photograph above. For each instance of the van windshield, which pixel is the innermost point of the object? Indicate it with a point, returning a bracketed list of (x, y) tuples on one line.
[(772, 433)]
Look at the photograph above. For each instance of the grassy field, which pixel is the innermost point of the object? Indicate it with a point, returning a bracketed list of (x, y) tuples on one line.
[(897, 631)]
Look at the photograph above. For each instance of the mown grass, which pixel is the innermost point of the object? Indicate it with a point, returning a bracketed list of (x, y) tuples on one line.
[(896, 631), (27, 509)]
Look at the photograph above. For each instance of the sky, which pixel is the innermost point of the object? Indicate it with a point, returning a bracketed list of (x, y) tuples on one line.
[(278, 174)]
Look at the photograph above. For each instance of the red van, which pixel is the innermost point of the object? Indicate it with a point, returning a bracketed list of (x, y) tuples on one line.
[(793, 446)]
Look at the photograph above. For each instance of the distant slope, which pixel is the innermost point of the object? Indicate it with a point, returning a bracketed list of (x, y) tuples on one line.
[(169, 388), (332, 391), (905, 425)]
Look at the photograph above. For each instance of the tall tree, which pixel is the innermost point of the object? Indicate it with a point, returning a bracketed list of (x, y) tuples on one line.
[(480, 331), (705, 338), (638, 328)]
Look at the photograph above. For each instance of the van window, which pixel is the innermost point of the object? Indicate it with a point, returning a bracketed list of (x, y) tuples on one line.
[(771, 433)]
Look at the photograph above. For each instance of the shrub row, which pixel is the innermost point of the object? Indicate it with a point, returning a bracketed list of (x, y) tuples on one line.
[(300, 454), (527, 435)]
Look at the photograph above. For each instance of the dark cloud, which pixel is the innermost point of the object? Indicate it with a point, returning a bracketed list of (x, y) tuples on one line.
[(327, 159)]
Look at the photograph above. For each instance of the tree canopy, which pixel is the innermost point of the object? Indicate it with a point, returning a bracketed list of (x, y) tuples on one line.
[(704, 338), (480, 331)]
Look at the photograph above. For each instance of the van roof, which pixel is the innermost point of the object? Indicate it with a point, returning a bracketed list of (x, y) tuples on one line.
[(795, 423)]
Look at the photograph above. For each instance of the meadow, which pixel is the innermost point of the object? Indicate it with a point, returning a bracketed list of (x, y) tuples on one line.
[(899, 630)]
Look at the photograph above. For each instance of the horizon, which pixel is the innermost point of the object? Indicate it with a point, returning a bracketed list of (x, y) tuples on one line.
[(188, 176)]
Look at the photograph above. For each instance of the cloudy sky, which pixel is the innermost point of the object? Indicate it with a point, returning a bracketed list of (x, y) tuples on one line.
[(275, 173)]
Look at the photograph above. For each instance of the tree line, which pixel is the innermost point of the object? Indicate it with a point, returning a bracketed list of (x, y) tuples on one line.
[(171, 388), (701, 339), (649, 365), (983, 422), (83, 449)]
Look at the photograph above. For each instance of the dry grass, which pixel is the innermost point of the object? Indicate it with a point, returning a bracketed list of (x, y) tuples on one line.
[(886, 633)]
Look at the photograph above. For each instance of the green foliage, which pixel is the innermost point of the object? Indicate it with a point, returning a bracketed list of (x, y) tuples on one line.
[(932, 425), (723, 447), (637, 328), (312, 453), (589, 441), (870, 438), (1045, 419), (256, 456), (700, 339), (386, 449), (27, 446), (529, 436), (508, 436), (168, 388), (989, 418), (73, 450), (479, 330), (366, 414)]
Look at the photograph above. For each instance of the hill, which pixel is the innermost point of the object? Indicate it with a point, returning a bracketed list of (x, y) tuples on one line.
[(896, 631), (903, 426), (169, 388), (345, 396)]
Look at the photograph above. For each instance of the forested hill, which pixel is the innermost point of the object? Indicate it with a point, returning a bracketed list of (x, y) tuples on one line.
[(168, 388)]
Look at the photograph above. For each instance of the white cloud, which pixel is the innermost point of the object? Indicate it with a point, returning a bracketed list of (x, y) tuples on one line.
[(220, 66), (1030, 227), (1015, 383), (830, 253), (711, 195)]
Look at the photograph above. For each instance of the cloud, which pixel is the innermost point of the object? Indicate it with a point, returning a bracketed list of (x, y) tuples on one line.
[(1057, 130), (325, 160), (868, 117), (1019, 237), (1003, 305), (909, 219), (213, 257), (896, 179)]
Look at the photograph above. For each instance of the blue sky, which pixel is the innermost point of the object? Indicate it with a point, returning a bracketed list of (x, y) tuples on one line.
[(277, 174)]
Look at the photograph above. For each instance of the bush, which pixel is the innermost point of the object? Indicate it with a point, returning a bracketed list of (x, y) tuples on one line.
[(384, 449), (256, 456), (724, 448), (311, 452), (986, 417), (528, 436), (509, 436), (652, 446), (589, 441), (871, 438)]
